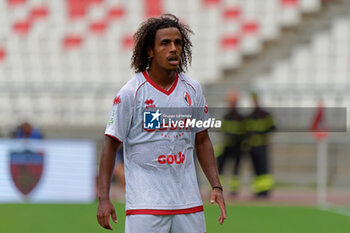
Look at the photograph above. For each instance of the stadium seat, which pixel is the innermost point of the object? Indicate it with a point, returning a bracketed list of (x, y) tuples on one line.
[(250, 38), (309, 6), (39, 12), (72, 41), (269, 16), (2, 54), (153, 8), (15, 3), (290, 12), (6, 103)]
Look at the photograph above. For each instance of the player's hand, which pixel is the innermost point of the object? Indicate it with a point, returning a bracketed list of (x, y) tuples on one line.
[(218, 197), (106, 209)]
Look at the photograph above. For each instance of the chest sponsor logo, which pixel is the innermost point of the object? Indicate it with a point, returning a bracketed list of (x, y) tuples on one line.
[(172, 159), (26, 169)]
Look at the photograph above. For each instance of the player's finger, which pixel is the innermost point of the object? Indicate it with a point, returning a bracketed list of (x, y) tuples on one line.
[(100, 219), (114, 216), (221, 219), (212, 197), (106, 223), (222, 206)]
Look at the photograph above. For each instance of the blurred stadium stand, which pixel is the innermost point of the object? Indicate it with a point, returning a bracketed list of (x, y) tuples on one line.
[(80, 50), (62, 62)]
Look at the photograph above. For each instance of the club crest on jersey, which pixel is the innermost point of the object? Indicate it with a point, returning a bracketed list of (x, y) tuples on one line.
[(187, 98), (206, 109), (26, 169), (150, 103), (116, 100)]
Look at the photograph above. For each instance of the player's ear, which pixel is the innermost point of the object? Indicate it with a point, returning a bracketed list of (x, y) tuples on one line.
[(150, 52)]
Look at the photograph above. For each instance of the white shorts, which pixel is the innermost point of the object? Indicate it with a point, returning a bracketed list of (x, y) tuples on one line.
[(179, 223)]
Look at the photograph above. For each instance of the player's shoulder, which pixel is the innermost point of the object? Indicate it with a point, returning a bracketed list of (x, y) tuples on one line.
[(131, 87), (194, 84)]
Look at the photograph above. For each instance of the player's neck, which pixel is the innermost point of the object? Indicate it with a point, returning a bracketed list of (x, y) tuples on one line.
[(163, 78)]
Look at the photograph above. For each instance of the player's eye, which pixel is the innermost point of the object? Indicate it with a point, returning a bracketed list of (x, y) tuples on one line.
[(178, 42), (165, 42)]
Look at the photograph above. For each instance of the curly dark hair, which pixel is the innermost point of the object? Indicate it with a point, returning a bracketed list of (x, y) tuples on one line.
[(145, 36)]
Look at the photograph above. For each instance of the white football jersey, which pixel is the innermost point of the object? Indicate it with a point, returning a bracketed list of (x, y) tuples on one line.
[(159, 165)]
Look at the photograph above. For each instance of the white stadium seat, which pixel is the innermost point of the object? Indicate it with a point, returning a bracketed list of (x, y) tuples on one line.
[(321, 66)]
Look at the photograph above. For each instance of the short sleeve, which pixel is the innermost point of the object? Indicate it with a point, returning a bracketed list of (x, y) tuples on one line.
[(202, 108), (120, 116)]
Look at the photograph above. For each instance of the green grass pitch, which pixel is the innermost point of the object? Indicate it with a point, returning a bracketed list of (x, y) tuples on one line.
[(76, 218)]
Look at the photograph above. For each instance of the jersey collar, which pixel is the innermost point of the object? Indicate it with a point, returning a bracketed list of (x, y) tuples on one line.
[(155, 85)]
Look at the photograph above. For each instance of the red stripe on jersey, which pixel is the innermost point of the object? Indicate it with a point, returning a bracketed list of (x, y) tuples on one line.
[(165, 212), (155, 85), (113, 137), (137, 91), (188, 84)]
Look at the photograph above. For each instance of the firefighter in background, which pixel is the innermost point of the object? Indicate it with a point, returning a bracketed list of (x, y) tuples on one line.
[(259, 125), (234, 129)]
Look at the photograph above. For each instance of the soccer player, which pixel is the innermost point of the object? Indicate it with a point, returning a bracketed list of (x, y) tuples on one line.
[(162, 193)]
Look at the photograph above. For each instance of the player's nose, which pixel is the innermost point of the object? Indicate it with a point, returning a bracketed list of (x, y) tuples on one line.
[(173, 47)]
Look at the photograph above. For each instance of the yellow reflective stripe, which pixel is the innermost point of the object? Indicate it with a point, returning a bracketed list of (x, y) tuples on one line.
[(263, 183), (235, 127), (258, 140), (259, 125), (218, 149), (221, 178), (234, 185)]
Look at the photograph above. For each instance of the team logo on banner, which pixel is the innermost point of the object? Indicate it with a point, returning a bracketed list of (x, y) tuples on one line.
[(187, 99), (26, 169)]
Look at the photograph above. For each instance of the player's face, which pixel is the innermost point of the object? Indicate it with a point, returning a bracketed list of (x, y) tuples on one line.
[(167, 49)]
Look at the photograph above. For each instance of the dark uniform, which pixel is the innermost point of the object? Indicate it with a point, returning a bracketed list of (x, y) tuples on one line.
[(234, 129), (258, 126)]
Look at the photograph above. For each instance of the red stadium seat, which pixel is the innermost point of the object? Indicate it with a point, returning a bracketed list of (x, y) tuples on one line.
[(39, 12), (290, 2), (232, 13), (22, 27), (128, 42), (250, 27), (78, 8), (2, 54), (16, 2), (153, 8), (72, 41), (115, 13), (230, 42), (211, 2), (95, 1), (98, 27)]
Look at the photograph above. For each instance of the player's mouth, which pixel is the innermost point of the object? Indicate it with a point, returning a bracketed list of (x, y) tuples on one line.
[(173, 60)]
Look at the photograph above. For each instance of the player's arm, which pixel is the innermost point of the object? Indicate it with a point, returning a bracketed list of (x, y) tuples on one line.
[(206, 158), (105, 207)]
